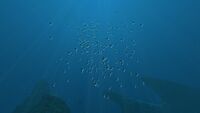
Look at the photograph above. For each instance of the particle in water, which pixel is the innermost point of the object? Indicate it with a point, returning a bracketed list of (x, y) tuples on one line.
[(134, 43), (124, 70), (96, 84), (133, 22), (54, 85), (111, 46), (106, 97), (76, 50), (141, 25), (87, 52), (69, 53), (68, 81), (111, 74), (137, 75), (51, 37), (65, 71), (104, 59), (121, 86), (131, 74), (82, 70), (50, 23), (135, 86), (143, 83), (117, 80), (121, 39)]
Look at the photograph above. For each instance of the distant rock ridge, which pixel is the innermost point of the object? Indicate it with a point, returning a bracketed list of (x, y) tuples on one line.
[(42, 101), (131, 105)]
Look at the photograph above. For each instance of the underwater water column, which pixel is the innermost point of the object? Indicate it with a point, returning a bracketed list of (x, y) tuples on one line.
[(99, 56)]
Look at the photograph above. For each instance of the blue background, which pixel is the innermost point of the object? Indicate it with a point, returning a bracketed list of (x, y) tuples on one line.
[(168, 45)]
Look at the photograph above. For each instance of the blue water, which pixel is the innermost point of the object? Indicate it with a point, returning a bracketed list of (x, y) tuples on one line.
[(76, 45)]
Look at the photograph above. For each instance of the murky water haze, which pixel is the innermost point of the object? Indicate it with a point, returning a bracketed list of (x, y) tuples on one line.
[(86, 47)]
